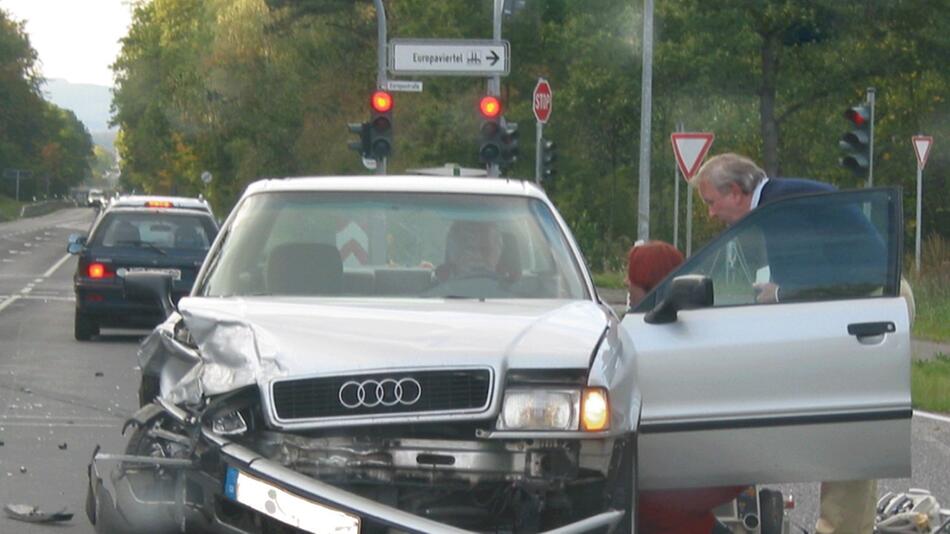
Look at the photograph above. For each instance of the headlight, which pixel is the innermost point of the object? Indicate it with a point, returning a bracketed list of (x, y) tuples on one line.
[(229, 424), (595, 410), (540, 409)]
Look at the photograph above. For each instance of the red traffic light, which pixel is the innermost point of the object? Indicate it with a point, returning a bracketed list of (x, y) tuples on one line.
[(858, 115), (382, 101), (490, 107)]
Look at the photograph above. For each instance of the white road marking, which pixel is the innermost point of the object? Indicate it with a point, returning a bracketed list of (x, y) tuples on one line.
[(932, 416), (5, 304), (64, 425), (49, 272)]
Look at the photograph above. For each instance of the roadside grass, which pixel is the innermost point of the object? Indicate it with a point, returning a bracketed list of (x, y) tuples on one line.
[(610, 280), (931, 289), (930, 384), (9, 208)]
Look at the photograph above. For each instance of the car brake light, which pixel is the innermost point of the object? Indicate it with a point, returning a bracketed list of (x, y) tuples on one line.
[(98, 270), (158, 204)]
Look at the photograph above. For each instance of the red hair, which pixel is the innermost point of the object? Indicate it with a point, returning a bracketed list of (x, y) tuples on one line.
[(650, 262)]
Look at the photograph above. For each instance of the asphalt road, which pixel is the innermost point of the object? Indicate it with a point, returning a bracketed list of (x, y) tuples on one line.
[(60, 398)]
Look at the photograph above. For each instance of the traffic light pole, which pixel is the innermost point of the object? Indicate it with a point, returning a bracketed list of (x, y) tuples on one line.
[(381, 80), (871, 142), (494, 82)]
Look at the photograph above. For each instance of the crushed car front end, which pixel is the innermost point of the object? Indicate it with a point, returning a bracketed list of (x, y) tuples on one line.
[(404, 397)]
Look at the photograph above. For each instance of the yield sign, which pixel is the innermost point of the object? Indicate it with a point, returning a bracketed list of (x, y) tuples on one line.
[(690, 148), (922, 144)]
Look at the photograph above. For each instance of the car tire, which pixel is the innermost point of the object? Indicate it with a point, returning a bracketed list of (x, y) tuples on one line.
[(771, 511), (84, 327)]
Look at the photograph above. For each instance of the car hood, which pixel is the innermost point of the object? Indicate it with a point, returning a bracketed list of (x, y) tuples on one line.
[(257, 339)]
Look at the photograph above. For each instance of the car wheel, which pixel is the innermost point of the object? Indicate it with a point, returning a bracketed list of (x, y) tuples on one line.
[(771, 510), (84, 327)]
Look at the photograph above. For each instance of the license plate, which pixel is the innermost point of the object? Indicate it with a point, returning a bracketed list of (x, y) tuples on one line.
[(175, 273), (286, 507)]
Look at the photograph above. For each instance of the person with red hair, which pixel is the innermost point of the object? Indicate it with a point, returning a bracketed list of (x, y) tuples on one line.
[(647, 265), (676, 511)]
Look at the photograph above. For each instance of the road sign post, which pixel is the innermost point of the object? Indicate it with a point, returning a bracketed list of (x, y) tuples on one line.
[(676, 196), (690, 148), (542, 102), (922, 145)]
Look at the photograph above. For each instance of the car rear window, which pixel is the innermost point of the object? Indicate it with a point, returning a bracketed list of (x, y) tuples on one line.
[(164, 230)]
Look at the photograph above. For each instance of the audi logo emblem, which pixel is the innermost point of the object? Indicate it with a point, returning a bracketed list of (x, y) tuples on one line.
[(386, 392)]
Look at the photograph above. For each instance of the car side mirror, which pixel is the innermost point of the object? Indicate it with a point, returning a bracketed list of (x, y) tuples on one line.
[(75, 243), (686, 293), (150, 286)]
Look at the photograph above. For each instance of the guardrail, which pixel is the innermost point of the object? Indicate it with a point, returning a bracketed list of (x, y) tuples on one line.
[(45, 206)]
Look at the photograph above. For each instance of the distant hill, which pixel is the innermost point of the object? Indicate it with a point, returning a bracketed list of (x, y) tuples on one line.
[(89, 102)]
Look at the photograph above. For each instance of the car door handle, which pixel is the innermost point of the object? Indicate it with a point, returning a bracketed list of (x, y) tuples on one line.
[(871, 329)]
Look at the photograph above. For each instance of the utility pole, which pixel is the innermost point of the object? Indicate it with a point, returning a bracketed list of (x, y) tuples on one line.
[(646, 107)]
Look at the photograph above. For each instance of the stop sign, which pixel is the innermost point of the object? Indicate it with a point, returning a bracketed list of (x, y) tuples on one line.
[(543, 101)]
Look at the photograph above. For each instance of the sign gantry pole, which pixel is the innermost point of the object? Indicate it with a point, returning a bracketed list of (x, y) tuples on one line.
[(922, 144)]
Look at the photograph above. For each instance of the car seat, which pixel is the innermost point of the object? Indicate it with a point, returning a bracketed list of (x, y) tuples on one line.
[(125, 232), (305, 269), (187, 236)]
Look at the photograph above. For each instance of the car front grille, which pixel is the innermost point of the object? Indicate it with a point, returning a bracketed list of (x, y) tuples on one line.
[(415, 392)]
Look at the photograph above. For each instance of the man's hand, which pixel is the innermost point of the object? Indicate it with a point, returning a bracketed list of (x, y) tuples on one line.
[(766, 293)]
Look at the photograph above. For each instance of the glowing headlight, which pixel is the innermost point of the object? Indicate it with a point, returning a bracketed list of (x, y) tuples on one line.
[(595, 410), (540, 409)]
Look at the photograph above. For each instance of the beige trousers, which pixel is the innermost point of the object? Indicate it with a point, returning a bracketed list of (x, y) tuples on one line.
[(847, 507)]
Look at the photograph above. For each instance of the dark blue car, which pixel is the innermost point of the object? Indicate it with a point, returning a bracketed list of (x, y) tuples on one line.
[(127, 239)]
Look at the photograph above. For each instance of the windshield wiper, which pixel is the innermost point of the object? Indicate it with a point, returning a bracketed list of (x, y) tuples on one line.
[(145, 244)]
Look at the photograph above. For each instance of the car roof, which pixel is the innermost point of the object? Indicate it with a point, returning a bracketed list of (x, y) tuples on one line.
[(393, 183), (178, 202), (169, 211)]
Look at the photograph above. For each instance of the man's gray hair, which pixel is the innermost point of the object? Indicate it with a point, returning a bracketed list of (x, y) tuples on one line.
[(726, 169)]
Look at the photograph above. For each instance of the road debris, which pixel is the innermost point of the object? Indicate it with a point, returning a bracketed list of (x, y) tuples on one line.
[(62, 446), (32, 514)]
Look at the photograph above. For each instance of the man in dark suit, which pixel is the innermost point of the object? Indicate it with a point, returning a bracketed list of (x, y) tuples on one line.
[(814, 252), (802, 260)]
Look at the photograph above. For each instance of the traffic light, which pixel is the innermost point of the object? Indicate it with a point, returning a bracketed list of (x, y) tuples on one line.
[(381, 125), (509, 143), (363, 145), (548, 157), (857, 142), (490, 145)]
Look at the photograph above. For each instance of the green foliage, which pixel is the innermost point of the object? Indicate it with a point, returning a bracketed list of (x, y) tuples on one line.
[(35, 136), (255, 88), (930, 384), (931, 289)]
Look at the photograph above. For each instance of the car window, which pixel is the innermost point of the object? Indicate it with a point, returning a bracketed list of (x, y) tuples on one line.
[(813, 248), (395, 244), (163, 230)]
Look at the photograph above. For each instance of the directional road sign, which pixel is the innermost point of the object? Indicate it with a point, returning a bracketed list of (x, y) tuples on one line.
[(922, 144), (452, 57), (543, 101), (690, 148)]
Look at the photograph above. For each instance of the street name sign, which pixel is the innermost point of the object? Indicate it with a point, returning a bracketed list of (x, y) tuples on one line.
[(690, 148), (543, 101), (406, 86), (922, 144), (449, 57)]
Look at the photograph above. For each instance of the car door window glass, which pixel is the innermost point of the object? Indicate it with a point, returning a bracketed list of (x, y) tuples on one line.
[(814, 248)]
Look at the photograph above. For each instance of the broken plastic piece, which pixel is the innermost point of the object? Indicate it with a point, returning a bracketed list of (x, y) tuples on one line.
[(32, 514)]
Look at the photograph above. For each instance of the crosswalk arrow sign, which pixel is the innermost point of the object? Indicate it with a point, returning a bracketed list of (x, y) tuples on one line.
[(690, 148), (922, 144)]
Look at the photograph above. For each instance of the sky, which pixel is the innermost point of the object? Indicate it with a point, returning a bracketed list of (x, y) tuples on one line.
[(76, 40)]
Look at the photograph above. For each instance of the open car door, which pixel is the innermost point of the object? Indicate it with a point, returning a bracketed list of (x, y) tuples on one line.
[(813, 387)]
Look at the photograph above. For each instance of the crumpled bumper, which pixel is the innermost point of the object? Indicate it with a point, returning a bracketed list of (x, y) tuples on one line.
[(116, 505)]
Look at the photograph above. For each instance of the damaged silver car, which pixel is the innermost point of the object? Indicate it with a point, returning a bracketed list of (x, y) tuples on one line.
[(424, 354)]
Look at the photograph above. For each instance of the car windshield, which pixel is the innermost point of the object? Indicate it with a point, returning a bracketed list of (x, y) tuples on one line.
[(379, 244), (158, 231)]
